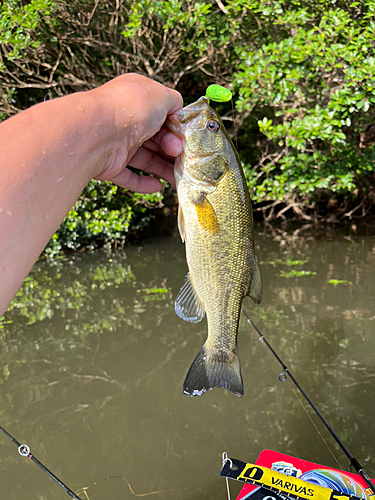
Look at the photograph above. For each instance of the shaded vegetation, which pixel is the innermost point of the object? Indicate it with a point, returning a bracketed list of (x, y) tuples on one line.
[(103, 216), (303, 74)]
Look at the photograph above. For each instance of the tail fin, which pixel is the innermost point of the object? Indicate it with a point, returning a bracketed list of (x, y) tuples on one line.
[(208, 371)]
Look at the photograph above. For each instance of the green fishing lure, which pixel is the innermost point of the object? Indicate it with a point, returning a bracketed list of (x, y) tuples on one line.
[(218, 93)]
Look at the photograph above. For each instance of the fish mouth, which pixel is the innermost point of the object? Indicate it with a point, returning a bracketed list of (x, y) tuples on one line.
[(191, 114)]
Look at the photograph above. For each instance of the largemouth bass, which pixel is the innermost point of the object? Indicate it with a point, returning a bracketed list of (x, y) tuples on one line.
[(215, 222)]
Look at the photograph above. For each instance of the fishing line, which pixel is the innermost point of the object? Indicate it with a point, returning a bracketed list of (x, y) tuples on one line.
[(225, 459), (283, 378), (24, 451), (353, 461), (218, 93), (234, 125), (314, 424), (85, 488)]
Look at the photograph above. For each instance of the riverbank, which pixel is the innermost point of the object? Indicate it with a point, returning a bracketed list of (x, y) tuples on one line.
[(110, 217), (348, 217)]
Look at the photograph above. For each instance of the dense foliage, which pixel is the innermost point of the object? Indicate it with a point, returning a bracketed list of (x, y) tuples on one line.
[(303, 73), (310, 78), (102, 216)]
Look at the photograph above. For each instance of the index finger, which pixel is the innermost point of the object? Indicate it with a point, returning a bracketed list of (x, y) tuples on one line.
[(170, 99)]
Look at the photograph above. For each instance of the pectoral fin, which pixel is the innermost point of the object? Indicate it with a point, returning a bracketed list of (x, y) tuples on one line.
[(256, 288), (206, 215), (188, 305)]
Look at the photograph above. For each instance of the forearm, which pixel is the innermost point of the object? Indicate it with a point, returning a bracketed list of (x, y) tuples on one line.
[(45, 164), (49, 152)]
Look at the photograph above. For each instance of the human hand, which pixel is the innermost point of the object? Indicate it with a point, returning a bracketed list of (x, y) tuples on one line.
[(138, 107), (65, 143)]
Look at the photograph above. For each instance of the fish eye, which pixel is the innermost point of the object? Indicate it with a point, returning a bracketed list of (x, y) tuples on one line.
[(213, 125)]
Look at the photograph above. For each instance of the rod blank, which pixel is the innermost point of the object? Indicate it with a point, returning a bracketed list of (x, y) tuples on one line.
[(353, 461), (24, 451)]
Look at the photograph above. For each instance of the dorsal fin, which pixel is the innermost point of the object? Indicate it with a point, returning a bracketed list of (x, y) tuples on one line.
[(188, 305)]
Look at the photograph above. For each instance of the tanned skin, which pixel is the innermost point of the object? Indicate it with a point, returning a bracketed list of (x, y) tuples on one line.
[(49, 152)]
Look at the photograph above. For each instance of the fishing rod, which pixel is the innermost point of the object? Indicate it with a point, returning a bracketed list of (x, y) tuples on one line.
[(353, 461), (24, 451)]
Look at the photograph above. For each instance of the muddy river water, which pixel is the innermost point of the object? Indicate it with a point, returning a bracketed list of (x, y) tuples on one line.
[(93, 358)]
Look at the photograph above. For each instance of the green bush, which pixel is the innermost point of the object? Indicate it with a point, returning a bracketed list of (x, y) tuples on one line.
[(102, 216), (303, 74), (311, 74)]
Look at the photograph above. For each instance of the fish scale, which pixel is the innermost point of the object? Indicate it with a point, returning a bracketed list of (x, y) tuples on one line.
[(215, 222)]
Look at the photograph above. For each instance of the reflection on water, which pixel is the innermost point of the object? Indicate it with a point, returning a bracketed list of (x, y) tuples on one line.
[(93, 359)]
